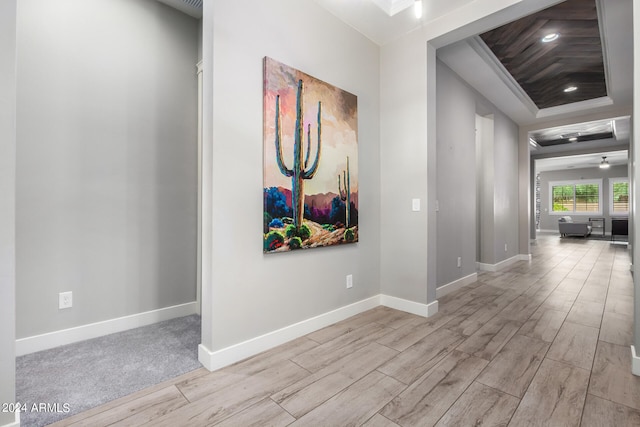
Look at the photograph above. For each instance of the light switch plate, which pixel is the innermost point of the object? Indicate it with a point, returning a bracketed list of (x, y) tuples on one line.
[(415, 205)]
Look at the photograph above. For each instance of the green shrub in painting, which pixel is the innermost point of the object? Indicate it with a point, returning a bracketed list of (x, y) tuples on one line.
[(295, 243), (329, 227), (273, 240), (349, 235), (304, 232), (290, 231)]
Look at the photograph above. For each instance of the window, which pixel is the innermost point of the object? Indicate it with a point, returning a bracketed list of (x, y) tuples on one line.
[(618, 196), (576, 197)]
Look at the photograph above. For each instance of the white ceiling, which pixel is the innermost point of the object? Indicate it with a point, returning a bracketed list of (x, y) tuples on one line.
[(372, 17)]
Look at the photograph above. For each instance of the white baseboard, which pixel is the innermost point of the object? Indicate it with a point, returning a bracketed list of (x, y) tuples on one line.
[(635, 362), (504, 264), (98, 329), (548, 231), (16, 423), (213, 360), (456, 284), (525, 257), (412, 307)]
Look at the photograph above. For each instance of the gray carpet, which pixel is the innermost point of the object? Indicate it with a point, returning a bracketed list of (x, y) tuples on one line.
[(90, 373)]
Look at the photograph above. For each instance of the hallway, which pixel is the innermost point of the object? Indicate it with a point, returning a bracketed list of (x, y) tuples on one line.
[(540, 343)]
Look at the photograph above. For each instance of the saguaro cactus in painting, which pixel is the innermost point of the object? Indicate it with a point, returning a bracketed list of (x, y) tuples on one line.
[(300, 170), (345, 194)]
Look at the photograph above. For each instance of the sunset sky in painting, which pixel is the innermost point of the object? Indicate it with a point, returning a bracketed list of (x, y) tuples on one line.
[(339, 128)]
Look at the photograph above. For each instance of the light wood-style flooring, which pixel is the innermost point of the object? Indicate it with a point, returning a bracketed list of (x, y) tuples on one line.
[(541, 343)]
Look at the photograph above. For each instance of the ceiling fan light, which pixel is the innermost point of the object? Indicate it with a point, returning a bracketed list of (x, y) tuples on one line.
[(604, 164), (417, 8)]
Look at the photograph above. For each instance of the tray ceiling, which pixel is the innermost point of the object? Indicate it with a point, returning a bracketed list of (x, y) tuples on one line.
[(545, 70), (576, 133)]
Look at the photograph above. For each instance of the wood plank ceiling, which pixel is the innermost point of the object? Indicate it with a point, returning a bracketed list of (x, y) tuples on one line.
[(544, 70), (580, 132)]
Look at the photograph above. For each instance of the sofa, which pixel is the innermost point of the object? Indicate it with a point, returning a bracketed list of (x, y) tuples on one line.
[(568, 227)]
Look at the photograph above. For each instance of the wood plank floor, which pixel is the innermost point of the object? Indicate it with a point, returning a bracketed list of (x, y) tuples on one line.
[(542, 343)]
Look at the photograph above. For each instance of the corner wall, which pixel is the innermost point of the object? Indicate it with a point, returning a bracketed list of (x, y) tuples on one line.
[(247, 294), (106, 160), (7, 205), (405, 247)]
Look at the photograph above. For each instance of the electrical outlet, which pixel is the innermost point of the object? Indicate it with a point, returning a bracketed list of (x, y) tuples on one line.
[(349, 281), (459, 262), (65, 300)]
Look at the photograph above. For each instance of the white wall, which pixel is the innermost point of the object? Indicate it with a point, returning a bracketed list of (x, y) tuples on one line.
[(7, 204), (106, 161), (245, 292), (549, 221)]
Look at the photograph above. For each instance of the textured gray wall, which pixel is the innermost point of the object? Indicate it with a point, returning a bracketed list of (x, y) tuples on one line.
[(7, 204), (505, 187), (456, 177), (459, 222), (252, 293), (106, 162), (485, 171), (404, 163), (550, 222)]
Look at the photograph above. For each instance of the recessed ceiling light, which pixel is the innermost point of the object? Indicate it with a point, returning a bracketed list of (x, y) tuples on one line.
[(550, 37), (417, 8), (573, 139), (570, 89)]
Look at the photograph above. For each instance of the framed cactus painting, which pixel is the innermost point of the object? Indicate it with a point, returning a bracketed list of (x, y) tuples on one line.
[(310, 161)]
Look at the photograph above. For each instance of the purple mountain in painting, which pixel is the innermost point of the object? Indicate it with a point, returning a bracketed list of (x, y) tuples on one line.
[(323, 208)]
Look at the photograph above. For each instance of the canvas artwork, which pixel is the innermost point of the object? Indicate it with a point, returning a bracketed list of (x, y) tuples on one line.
[(310, 161)]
